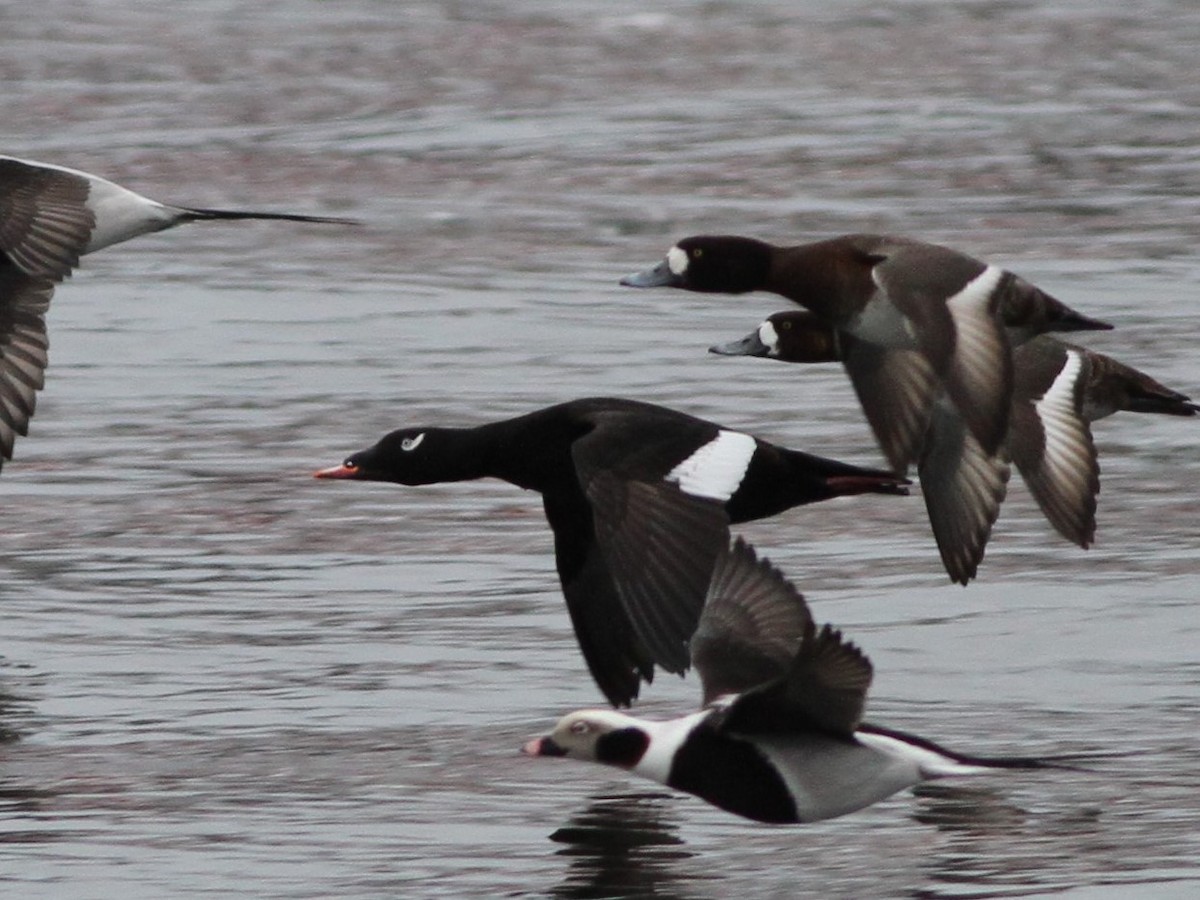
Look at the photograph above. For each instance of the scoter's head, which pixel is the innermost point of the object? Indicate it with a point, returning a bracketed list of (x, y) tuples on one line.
[(712, 264), (407, 456), (599, 735), (792, 336)]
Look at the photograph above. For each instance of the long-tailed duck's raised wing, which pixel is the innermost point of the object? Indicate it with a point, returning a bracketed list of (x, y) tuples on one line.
[(751, 627)]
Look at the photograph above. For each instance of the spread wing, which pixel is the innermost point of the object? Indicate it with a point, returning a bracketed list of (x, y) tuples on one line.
[(660, 545), (825, 690), (963, 488), (752, 623), (1051, 442), (897, 389), (954, 302), (757, 640), (24, 350), (614, 655), (44, 222)]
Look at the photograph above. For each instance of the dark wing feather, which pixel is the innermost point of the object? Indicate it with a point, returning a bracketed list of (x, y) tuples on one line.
[(24, 350), (660, 545), (963, 488), (954, 303), (752, 624), (825, 690), (614, 655), (1051, 441), (896, 389), (980, 376), (45, 223)]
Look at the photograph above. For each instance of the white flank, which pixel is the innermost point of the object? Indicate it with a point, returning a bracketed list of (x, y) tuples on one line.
[(677, 261), (665, 741), (716, 469), (770, 337), (1060, 420), (929, 763), (122, 214)]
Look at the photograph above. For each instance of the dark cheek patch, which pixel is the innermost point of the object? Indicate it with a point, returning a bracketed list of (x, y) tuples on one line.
[(624, 747)]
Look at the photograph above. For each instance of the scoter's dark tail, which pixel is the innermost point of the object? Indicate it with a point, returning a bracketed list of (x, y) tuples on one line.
[(881, 483), (844, 480)]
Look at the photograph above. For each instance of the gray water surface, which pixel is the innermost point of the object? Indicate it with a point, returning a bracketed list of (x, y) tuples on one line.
[(220, 677)]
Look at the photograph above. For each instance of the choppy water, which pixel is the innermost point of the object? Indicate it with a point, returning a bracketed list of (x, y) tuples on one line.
[(221, 677)]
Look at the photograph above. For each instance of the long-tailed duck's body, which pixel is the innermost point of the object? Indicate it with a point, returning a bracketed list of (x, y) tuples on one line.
[(639, 498), (49, 217), (924, 319), (1059, 389), (780, 737)]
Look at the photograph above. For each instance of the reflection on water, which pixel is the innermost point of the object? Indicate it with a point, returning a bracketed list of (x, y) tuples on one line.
[(621, 846), (228, 678)]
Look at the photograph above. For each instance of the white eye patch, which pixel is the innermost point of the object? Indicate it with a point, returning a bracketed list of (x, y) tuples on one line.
[(677, 261), (769, 336), (412, 443)]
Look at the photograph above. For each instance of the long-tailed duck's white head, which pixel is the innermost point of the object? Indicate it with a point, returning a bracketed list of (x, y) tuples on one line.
[(599, 735)]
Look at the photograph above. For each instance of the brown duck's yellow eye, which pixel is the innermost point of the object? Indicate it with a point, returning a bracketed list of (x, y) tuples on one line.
[(697, 252), (785, 326)]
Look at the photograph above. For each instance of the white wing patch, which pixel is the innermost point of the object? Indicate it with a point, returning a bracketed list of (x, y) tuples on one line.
[(1061, 421), (716, 469), (978, 290), (412, 443)]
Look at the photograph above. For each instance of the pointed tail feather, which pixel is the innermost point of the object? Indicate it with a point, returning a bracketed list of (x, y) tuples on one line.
[(936, 761), (195, 215), (1177, 405)]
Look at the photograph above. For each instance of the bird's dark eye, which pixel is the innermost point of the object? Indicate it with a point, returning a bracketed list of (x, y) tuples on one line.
[(785, 326), (349, 464), (580, 728)]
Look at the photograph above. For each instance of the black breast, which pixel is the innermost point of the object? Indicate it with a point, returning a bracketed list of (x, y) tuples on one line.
[(733, 775)]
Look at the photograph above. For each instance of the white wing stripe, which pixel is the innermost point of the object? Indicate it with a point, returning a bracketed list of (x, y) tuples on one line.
[(1060, 419), (978, 290), (716, 469)]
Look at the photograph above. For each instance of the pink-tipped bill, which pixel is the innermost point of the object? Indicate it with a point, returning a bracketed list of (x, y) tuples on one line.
[(339, 471)]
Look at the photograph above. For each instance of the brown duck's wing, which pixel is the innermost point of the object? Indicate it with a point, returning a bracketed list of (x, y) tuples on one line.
[(1051, 441), (953, 301), (963, 488), (897, 389)]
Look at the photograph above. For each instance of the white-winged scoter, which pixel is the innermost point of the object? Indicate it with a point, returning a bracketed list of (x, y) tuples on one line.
[(639, 498)]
